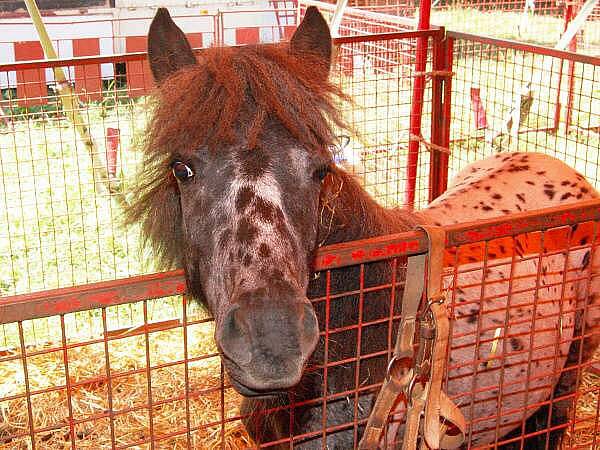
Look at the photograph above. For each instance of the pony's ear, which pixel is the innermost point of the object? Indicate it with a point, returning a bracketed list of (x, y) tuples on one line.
[(168, 49), (312, 36)]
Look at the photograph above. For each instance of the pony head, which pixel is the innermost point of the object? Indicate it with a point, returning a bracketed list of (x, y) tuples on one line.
[(235, 160)]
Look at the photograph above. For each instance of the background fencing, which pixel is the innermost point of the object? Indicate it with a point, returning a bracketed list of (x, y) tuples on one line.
[(506, 97), (104, 35), (538, 22)]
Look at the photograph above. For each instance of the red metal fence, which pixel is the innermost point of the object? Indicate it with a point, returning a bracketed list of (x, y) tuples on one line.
[(124, 364), (537, 22), (106, 35)]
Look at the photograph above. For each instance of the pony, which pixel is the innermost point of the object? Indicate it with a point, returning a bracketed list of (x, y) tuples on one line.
[(238, 187)]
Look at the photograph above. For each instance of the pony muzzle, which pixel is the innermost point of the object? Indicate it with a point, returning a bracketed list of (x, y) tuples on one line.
[(265, 345)]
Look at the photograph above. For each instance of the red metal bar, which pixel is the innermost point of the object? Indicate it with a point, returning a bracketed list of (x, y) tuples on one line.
[(30, 424), (359, 330), (186, 371), (148, 377), (440, 120), (68, 382), (98, 295), (82, 60), (530, 48), (417, 105), (410, 243), (326, 354), (90, 296), (376, 37), (447, 114)]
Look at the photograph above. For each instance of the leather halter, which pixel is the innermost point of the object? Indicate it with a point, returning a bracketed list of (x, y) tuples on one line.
[(417, 376)]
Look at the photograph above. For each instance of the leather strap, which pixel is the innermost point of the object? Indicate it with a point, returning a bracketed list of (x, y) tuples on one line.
[(411, 300), (440, 326), (413, 419), (406, 369)]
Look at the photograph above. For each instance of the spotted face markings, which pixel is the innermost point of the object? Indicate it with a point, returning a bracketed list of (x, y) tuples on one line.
[(246, 232), (247, 260), (258, 217), (224, 237), (243, 198), (264, 251), (266, 211)]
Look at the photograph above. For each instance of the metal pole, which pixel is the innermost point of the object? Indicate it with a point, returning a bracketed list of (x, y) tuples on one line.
[(70, 106), (437, 118), (417, 105), (440, 116)]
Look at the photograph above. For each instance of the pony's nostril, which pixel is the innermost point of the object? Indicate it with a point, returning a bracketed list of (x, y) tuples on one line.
[(234, 339)]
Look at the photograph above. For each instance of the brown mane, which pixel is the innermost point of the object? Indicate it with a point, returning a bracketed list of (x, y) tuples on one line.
[(234, 93)]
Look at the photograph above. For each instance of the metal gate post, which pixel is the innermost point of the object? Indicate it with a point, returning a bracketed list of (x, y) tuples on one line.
[(417, 105), (440, 115)]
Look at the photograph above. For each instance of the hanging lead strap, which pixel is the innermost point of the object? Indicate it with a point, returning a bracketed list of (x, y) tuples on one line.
[(440, 412), (418, 376)]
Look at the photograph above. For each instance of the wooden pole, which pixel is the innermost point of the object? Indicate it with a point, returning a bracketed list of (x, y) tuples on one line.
[(70, 106), (336, 20)]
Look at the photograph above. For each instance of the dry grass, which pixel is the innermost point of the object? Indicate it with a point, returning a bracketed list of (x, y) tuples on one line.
[(129, 385), (587, 426)]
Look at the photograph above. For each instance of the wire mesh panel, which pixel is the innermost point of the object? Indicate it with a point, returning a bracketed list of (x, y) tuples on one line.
[(132, 363), (117, 377), (380, 78), (513, 97), (258, 26), (362, 21), (63, 189), (535, 22)]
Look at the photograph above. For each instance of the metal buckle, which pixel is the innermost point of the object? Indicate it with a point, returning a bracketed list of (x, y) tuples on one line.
[(389, 367), (439, 298), (410, 388), (394, 360)]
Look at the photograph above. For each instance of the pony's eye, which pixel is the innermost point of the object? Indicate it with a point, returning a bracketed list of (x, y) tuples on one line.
[(181, 170), (321, 173)]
